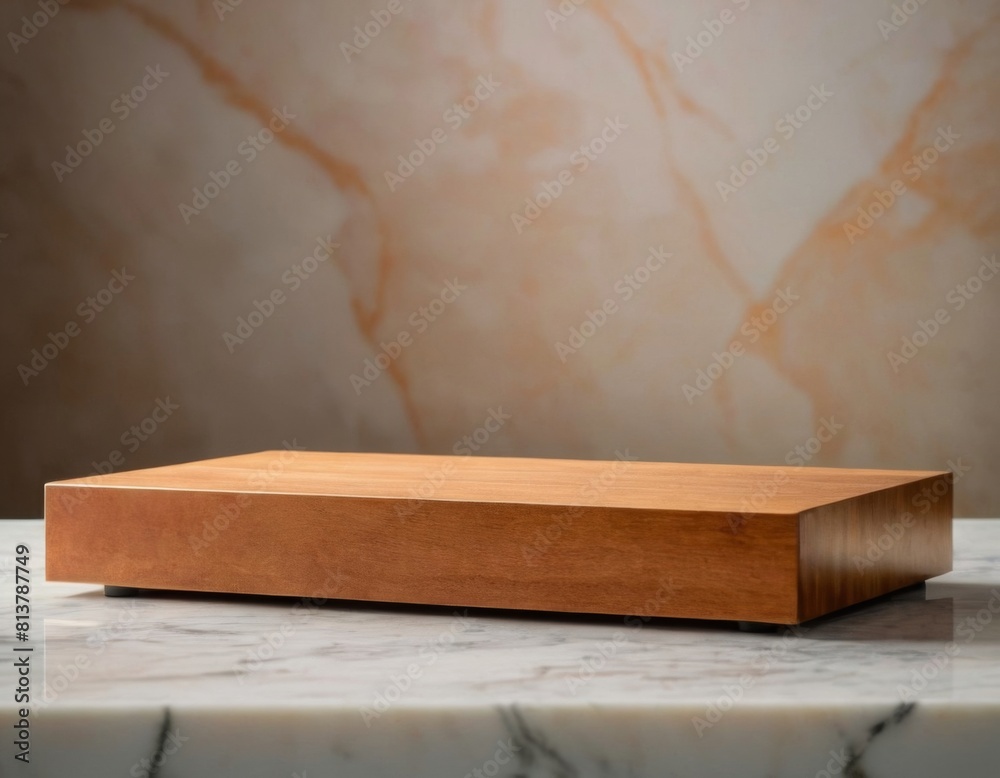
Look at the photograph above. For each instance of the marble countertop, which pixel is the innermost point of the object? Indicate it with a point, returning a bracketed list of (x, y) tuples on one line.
[(176, 684)]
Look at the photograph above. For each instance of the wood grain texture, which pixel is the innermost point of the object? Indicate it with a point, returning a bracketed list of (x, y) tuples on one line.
[(872, 544), (653, 539)]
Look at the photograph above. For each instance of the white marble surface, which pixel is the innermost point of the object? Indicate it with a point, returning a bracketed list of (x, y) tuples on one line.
[(907, 686)]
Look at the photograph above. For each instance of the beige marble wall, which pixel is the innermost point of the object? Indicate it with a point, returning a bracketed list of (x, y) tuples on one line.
[(746, 231)]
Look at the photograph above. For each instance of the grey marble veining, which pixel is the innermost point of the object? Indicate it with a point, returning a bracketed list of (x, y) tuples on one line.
[(219, 685)]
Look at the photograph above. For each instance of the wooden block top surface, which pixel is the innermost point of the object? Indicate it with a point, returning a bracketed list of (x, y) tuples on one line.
[(613, 484)]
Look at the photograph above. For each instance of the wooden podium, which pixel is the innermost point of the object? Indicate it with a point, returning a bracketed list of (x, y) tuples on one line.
[(745, 543)]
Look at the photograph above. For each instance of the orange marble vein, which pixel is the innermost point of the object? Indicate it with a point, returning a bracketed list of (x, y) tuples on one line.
[(829, 230), (686, 102), (341, 174), (641, 59), (830, 227), (687, 190), (689, 193), (633, 50), (707, 235)]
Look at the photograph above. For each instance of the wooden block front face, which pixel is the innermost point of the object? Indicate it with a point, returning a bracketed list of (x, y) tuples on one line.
[(875, 544), (588, 560)]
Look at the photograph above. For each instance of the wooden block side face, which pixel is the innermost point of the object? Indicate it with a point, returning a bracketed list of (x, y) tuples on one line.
[(584, 559), (874, 544)]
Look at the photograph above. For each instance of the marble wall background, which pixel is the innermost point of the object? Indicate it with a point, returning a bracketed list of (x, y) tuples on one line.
[(746, 231)]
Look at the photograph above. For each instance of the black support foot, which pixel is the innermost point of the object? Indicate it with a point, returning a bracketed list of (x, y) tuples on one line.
[(756, 626), (120, 591)]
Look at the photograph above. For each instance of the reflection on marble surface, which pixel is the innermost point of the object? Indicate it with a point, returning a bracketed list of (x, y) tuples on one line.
[(706, 231), (907, 685)]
